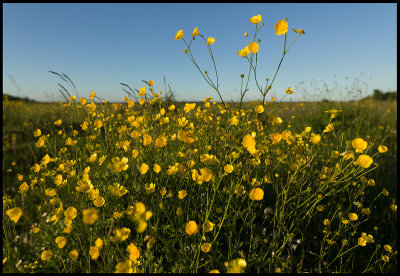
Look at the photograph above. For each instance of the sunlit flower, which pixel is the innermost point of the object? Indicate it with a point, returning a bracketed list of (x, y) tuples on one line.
[(382, 149), (46, 255), (205, 247), (133, 251), (259, 109), (353, 216), (61, 241), (14, 214), (179, 35), (210, 41), (195, 32), (281, 27), (256, 194), (182, 194), (253, 47), (191, 228), (94, 252), (90, 216), (359, 144), (364, 161), (143, 168), (255, 19), (73, 255)]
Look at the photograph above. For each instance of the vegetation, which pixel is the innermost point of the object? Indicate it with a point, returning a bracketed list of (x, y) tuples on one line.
[(155, 186)]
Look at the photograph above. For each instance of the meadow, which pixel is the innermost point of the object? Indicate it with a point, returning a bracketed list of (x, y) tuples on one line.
[(153, 185)]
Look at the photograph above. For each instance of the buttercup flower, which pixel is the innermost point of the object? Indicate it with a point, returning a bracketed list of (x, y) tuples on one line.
[(195, 32), (179, 35), (382, 149), (191, 228), (256, 194), (14, 214), (90, 216), (255, 19), (359, 144), (281, 27), (210, 41), (46, 255), (253, 47), (364, 161)]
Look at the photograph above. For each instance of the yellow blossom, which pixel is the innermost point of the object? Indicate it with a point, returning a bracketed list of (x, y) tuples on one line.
[(179, 35), (191, 228), (195, 32), (14, 214), (210, 41), (255, 19), (281, 27)]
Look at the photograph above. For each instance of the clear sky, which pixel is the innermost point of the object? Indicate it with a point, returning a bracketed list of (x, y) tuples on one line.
[(101, 45)]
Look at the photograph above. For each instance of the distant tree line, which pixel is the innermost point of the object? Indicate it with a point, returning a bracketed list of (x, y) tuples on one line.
[(378, 95)]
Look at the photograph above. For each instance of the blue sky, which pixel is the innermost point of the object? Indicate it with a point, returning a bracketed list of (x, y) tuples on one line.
[(101, 45)]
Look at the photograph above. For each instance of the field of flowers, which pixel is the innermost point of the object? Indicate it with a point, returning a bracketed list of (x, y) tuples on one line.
[(151, 185)]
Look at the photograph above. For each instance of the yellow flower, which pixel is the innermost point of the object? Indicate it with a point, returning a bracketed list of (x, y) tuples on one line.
[(195, 32), (151, 82), (248, 141), (385, 192), (255, 19), (233, 121), (244, 52), (92, 95), (156, 168), (37, 133), (142, 91), (73, 255), (205, 247), (147, 139), (161, 141), (289, 91), (182, 194), (259, 109), (299, 31), (58, 122), (99, 201), (179, 35), (14, 214), (24, 187), (253, 47), (99, 243), (191, 228), (353, 217), (364, 161), (385, 258), (142, 101), (387, 247), (326, 221), (256, 194), (281, 27), (70, 213), (94, 252), (276, 137), (90, 216), (83, 101), (46, 255), (143, 168), (214, 271), (329, 128), (382, 149), (206, 174), (133, 251), (120, 234), (210, 41), (124, 267), (61, 241), (359, 144), (209, 226), (228, 168), (151, 188), (315, 138)]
